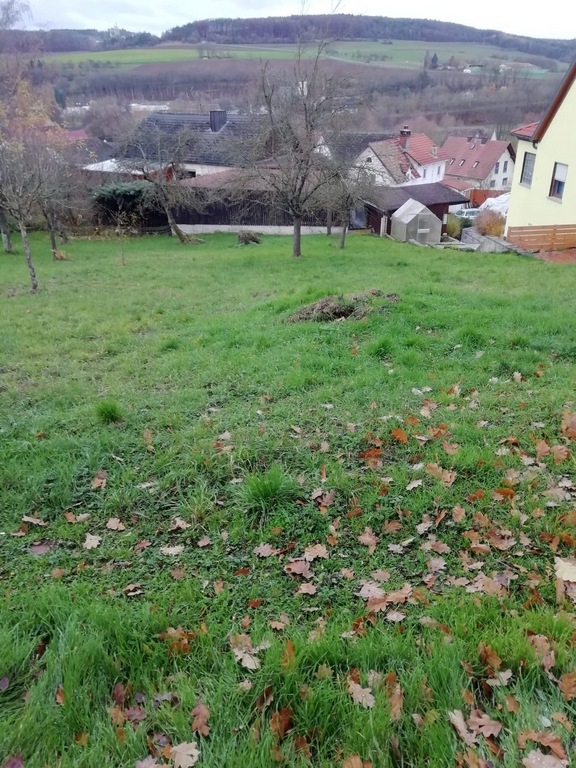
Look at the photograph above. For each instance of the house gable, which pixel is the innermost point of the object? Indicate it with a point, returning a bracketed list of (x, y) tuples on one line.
[(542, 211)]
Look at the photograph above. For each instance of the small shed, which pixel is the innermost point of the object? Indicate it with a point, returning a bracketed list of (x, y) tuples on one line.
[(413, 221)]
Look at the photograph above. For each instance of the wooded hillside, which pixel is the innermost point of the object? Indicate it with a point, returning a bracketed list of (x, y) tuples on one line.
[(349, 27)]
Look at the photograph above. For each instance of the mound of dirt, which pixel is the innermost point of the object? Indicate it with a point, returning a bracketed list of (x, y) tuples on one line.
[(332, 308)]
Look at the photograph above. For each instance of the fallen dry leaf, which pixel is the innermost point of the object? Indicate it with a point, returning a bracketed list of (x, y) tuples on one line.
[(265, 550), (185, 755), (114, 524), (480, 722), (281, 624), (99, 480), (34, 521), (565, 568), (288, 655), (567, 685), (298, 567), (41, 547), (91, 541), (399, 435), (59, 696), (178, 524), (414, 484), (489, 657), (314, 551), (133, 590), (362, 696), (537, 759), (176, 550), (568, 424), (306, 589), (545, 739), (245, 652), (369, 539), (457, 719), (281, 722), (355, 761), (200, 715), (395, 696)]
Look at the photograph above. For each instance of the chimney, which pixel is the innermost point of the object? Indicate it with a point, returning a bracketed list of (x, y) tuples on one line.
[(404, 138), (434, 151), (218, 118)]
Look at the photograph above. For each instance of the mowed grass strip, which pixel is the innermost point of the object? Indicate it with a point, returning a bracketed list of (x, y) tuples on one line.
[(378, 502)]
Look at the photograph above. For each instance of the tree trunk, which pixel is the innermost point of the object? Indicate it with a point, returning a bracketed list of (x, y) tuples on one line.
[(28, 255), (51, 231), (60, 229), (329, 222), (297, 237), (182, 236), (343, 235), (5, 230)]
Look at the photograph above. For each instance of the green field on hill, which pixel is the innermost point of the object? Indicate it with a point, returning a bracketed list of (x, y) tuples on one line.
[(231, 536), (400, 53)]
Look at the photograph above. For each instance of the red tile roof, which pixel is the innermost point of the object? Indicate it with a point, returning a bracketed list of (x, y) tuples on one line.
[(472, 159), (457, 184), (525, 131), (421, 148), (393, 159)]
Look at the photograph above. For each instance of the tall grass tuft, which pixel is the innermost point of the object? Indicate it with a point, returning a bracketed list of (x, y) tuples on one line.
[(109, 412), (267, 492)]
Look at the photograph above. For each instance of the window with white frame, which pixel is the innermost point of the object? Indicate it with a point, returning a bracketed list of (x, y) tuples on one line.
[(558, 180), (496, 167), (505, 166), (528, 168)]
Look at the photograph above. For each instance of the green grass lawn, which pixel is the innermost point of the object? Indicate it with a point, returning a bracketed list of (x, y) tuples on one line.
[(339, 536)]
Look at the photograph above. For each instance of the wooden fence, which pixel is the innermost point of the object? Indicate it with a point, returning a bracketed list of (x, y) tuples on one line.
[(543, 238)]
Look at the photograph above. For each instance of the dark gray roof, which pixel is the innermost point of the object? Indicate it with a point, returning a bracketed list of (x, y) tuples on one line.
[(389, 199), (347, 145), (206, 146)]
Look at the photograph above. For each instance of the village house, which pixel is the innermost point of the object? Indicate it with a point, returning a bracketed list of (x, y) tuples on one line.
[(542, 211), (478, 162), (406, 159)]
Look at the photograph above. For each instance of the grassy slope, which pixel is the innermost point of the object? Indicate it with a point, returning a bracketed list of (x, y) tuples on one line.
[(192, 343)]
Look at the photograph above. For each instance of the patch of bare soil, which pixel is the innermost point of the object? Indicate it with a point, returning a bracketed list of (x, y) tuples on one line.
[(332, 308), (558, 257)]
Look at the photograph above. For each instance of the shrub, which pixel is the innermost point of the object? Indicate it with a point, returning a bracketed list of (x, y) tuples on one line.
[(453, 226), (490, 223)]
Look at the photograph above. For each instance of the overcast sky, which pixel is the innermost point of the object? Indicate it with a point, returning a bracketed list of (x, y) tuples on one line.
[(549, 20)]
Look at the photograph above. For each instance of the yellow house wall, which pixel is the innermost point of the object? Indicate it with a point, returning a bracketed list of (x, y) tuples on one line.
[(532, 206)]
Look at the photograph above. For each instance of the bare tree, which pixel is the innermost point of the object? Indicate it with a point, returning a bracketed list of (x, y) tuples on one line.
[(22, 188), (350, 189), (158, 157), (290, 155), (12, 12)]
